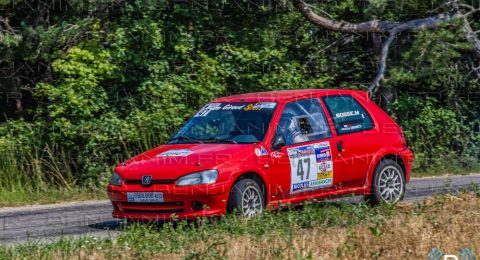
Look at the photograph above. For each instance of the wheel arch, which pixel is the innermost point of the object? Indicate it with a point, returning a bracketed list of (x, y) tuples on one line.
[(372, 195), (258, 178), (396, 158), (391, 154)]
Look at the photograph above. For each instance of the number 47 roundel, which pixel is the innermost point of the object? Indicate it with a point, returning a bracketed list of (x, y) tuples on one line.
[(311, 167)]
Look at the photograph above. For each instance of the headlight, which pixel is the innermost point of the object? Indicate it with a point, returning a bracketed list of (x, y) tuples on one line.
[(116, 179), (203, 177)]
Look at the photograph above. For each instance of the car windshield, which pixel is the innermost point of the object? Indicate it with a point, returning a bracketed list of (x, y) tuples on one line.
[(227, 122)]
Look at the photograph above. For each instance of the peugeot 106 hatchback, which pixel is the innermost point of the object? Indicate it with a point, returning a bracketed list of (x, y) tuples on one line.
[(257, 151)]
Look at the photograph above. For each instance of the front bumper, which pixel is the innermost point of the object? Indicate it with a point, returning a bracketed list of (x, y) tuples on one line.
[(188, 202)]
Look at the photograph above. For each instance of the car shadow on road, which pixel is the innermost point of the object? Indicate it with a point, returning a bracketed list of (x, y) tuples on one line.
[(121, 225), (109, 225)]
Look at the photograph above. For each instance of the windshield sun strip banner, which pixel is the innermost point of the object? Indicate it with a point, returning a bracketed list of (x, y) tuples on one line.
[(235, 106)]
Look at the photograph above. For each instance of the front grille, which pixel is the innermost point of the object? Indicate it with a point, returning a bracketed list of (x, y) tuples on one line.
[(153, 211), (164, 181), (170, 203), (152, 208)]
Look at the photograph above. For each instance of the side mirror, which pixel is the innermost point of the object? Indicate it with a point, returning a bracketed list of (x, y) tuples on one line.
[(278, 142)]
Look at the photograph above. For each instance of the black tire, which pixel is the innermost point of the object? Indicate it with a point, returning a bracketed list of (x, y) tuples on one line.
[(388, 185), (246, 189)]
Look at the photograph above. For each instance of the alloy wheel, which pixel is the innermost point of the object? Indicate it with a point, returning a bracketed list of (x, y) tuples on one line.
[(251, 202), (390, 184)]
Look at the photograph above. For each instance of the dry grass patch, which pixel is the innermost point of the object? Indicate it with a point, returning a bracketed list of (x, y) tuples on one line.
[(450, 223), (407, 231)]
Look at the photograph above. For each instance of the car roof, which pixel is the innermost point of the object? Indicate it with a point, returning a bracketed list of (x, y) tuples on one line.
[(284, 95)]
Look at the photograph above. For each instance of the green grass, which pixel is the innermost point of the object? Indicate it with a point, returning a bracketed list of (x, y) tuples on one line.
[(141, 240), (47, 175), (430, 172), (319, 230), (40, 177), (444, 166), (21, 197)]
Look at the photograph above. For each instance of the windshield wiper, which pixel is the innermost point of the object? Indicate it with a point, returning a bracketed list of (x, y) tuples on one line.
[(215, 140), (185, 138)]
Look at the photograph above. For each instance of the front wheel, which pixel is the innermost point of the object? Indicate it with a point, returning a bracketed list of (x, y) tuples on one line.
[(246, 198), (388, 184)]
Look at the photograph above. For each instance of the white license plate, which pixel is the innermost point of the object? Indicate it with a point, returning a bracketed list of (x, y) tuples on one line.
[(145, 197)]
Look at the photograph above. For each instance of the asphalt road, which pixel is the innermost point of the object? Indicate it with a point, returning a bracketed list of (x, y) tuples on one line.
[(50, 222)]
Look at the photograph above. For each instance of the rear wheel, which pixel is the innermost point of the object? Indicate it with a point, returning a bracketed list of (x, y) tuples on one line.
[(388, 184), (246, 198)]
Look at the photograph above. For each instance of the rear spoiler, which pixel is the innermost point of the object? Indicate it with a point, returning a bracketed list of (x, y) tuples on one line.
[(363, 94)]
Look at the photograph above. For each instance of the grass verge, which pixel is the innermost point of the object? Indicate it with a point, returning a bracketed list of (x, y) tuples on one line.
[(29, 196), (438, 173), (318, 231)]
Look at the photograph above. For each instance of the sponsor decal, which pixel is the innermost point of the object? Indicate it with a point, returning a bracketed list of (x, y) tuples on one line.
[(208, 108), (260, 106), (310, 185), (347, 114), (251, 107), (301, 151), (322, 152), (311, 167), (263, 150), (179, 152), (266, 105), (348, 127), (325, 175), (276, 155), (326, 166), (232, 107)]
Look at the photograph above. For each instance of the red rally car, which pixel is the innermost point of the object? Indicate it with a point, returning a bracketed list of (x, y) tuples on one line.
[(251, 152)]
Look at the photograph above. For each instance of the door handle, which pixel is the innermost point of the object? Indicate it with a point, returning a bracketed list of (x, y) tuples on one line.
[(340, 146)]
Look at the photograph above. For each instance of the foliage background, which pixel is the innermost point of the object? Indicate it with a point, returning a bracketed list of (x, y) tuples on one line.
[(86, 84)]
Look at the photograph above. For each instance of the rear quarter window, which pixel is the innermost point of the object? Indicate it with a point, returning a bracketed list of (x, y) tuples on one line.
[(347, 114)]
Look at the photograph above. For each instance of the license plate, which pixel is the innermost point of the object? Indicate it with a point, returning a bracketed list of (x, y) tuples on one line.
[(145, 197)]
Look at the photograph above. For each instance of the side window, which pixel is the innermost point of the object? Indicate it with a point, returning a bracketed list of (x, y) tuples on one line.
[(303, 121), (347, 114)]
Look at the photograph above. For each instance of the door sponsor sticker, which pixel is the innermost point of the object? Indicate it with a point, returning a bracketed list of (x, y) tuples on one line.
[(311, 167), (276, 155)]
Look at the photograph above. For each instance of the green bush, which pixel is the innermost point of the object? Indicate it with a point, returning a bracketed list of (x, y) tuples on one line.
[(101, 84)]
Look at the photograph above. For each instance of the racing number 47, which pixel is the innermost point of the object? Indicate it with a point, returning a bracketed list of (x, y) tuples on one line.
[(300, 168)]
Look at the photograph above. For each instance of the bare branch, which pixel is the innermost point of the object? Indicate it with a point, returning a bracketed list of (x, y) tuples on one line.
[(471, 36), (469, 7), (373, 26), (383, 63), (392, 28), (340, 26), (475, 70)]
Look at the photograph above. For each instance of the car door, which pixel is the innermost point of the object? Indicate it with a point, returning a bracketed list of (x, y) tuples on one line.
[(302, 148), (355, 138)]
